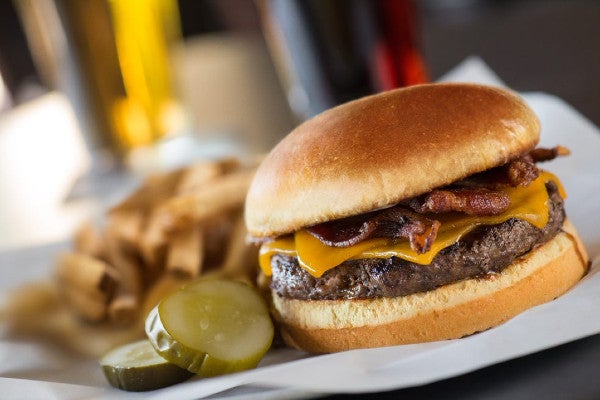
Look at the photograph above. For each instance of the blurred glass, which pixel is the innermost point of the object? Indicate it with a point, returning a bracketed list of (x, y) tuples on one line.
[(331, 51), (4, 95), (145, 30), (112, 59)]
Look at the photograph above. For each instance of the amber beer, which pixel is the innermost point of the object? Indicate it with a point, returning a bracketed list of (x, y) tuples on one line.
[(123, 51)]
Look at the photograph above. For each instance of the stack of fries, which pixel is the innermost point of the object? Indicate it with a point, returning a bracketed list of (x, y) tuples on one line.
[(177, 226)]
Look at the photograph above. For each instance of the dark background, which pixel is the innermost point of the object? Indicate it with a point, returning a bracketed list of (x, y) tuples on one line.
[(551, 46)]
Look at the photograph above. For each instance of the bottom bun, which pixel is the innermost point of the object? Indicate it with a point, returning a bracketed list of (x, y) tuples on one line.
[(449, 312)]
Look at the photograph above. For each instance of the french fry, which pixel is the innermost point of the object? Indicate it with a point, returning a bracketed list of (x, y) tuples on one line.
[(186, 253), (125, 306), (153, 245), (86, 274), (88, 240), (216, 232), (241, 259), (88, 306), (220, 196), (126, 228), (126, 265), (124, 310)]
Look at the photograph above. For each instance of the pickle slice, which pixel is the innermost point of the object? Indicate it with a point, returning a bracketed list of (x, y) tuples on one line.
[(212, 327), (137, 367)]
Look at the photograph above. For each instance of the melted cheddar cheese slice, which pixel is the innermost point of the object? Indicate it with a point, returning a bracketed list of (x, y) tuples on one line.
[(527, 203)]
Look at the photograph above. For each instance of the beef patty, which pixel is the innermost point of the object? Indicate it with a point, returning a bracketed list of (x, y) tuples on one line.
[(485, 250)]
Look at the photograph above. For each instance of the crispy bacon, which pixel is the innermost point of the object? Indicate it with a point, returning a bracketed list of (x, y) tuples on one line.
[(522, 171), (472, 201), (542, 154), (395, 222), (518, 172)]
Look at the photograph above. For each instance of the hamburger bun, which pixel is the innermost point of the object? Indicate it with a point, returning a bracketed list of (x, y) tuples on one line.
[(385, 148)]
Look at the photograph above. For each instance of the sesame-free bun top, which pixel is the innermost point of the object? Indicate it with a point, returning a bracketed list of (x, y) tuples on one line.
[(373, 152)]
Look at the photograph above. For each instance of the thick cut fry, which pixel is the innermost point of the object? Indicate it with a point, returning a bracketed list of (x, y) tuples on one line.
[(186, 253), (153, 245), (126, 228), (216, 233), (124, 310), (88, 240), (125, 306), (220, 196), (241, 259), (86, 274), (126, 265), (88, 306)]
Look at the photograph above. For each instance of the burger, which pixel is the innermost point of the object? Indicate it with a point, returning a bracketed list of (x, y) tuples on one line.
[(414, 215)]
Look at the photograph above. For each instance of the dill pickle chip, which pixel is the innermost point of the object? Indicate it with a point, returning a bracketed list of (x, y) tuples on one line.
[(137, 367), (212, 327)]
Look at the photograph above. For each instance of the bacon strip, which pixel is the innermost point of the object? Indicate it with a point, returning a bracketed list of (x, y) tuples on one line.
[(542, 154), (522, 171), (472, 201), (518, 172), (395, 222)]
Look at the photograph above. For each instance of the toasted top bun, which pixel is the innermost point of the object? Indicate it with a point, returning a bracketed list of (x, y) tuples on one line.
[(376, 151)]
